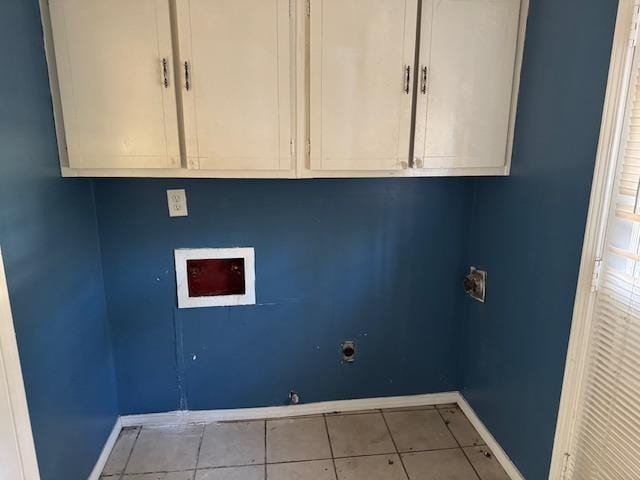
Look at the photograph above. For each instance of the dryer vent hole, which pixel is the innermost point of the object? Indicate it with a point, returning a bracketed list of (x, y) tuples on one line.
[(348, 351)]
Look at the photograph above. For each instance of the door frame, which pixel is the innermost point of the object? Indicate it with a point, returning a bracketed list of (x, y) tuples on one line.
[(597, 220), (12, 373)]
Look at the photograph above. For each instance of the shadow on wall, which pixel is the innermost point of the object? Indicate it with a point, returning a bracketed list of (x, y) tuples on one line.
[(48, 233)]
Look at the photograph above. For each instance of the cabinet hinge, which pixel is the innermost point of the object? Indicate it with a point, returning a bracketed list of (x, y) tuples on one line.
[(308, 7), (308, 147), (292, 148), (595, 279), (635, 26), (291, 8)]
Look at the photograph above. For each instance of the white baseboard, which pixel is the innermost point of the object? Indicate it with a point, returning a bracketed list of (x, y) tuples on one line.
[(499, 454), (209, 416), (106, 450)]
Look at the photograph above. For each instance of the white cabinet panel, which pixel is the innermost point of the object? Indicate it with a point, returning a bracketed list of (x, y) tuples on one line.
[(118, 110), (237, 109), (360, 95), (463, 114)]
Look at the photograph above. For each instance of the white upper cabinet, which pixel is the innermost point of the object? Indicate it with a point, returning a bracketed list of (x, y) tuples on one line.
[(285, 88), (468, 54), (236, 70), (361, 57), (115, 73)]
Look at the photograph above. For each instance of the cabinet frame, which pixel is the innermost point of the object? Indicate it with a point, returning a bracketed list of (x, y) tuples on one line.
[(300, 81)]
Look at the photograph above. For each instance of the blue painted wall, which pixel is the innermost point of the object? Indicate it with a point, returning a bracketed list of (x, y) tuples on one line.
[(527, 231), (48, 235), (375, 261)]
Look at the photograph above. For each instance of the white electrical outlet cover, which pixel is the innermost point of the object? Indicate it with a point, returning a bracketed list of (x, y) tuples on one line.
[(177, 200)]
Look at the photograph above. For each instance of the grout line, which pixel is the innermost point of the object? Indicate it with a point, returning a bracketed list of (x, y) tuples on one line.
[(265, 450), (257, 464), (399, 453), (355, 412), (300, 461), (310, 460), (221, 467), (446, 423), (393, 440), (333, 458), (157, 472), (126, 464), (415, 408), (200, 446)]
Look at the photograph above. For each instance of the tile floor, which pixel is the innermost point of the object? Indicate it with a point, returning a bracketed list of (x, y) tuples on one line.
[(419, 443)]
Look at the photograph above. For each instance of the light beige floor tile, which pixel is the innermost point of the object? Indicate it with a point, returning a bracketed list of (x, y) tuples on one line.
[(353, 435), (313, 470), (121, 451), (231, 444), (161, 476), (419, 430), (294, 439), (377, 467), (485, 463), (461, 427), (161, 449), (410, 409), (232, 473), (438, 465)]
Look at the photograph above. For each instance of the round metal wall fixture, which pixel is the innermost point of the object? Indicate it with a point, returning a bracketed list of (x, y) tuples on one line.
[(475, 284)]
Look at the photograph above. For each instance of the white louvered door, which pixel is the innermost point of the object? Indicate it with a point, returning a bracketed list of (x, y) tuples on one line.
[(605, 442)]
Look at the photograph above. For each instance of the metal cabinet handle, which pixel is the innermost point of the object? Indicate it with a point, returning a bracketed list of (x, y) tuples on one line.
[(187, 76), (407, 79), (165, 73), (425, 76)]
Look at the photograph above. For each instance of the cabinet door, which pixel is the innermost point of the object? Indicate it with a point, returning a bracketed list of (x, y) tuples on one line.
[(236, 74), (361, 78), (468, 55), (114, 61)]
